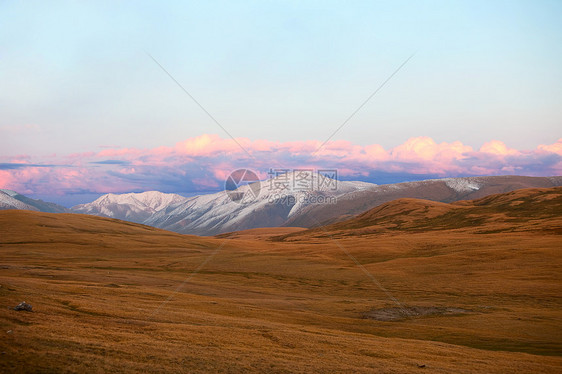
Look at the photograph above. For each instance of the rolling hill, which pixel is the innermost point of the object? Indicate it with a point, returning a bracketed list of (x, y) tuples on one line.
[(519, 210), (476, 294), (440, 190)]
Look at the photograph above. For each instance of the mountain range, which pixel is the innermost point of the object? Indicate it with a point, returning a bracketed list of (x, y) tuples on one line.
[(523, 210), (278, 203), (12, 200), (133, 207), (446, 190), (217, 213)]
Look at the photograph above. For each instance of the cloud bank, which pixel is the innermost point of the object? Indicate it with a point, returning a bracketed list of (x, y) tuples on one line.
[(203, 163)]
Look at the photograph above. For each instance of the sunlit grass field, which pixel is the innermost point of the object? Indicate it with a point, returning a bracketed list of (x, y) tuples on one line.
[(111, 296)]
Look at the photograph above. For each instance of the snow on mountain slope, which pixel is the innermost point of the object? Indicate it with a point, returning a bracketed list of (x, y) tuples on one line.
[(284, 202), (8, 201), (13, 200), (463, 184), (9, 192), (151, 199), (279, 198), (135, 207)]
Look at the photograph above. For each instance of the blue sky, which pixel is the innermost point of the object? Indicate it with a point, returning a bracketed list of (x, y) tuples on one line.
[(75, 74)]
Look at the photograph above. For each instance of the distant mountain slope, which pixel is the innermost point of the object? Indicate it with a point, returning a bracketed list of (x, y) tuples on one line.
[(442, 190), (217, 213), (536, 209), (276, 206), (134, 207), (12, 200)]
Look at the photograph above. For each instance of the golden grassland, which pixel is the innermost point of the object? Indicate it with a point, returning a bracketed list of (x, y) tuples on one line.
[(112, 296)]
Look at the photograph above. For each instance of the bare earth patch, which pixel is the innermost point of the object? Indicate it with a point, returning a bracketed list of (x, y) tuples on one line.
[(399, 314)]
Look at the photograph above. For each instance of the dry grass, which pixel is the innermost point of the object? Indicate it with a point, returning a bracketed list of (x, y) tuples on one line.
[(98, 288)]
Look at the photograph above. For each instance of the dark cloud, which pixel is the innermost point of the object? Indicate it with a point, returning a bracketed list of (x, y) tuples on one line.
[(15, 165), (110, 162)]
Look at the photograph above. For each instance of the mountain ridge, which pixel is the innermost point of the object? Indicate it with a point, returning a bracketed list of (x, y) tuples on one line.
[(215, 214), (10, 199), (513, 211), (134, 207), (276, 205), (444, 190)]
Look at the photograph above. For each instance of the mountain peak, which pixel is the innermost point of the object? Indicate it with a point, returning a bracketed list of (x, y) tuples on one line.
[(151, 199), (296, 198), (9, 192), (134, 206), (10, 199)]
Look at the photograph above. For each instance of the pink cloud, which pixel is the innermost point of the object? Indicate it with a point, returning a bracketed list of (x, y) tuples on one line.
[(376, 152), (205, 161), (426, 149), (209, 145), (552, 148), (496, 147), (118, 152), (6, 179)]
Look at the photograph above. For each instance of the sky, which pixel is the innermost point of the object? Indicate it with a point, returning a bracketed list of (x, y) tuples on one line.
[(86, 110)]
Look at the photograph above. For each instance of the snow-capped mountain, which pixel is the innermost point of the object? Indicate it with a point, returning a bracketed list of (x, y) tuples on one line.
[(279, 199), (13, 200), (134, 207), (288, 200), (8, 201)]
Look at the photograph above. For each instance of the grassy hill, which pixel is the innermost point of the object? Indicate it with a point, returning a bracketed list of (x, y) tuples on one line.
[(480, 282), (533, 209)]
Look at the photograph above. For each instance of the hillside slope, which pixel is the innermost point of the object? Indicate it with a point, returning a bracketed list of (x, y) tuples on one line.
[(12, 200), (535, 209), (125, 297), (441, 190)]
